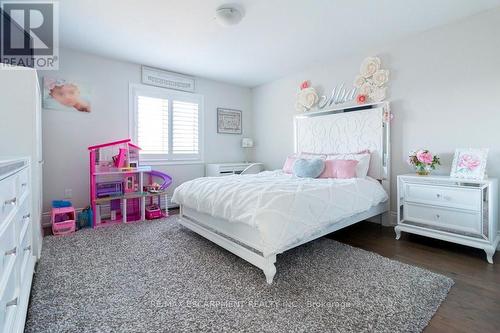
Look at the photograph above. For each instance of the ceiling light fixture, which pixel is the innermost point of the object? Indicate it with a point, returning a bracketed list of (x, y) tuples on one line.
[(227, 15)]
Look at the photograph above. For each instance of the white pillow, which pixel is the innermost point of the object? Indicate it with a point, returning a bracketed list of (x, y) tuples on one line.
[(362, 158)]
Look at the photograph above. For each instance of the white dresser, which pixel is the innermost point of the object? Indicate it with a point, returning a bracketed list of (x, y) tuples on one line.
[(16, 249), (225, 169), (456, 210)]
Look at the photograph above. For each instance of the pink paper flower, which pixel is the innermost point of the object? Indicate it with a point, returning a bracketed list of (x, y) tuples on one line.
[(361, 99), (304, 85), (425, 157), (467, 161)]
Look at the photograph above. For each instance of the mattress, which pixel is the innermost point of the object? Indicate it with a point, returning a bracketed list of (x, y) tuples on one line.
[(283, 208)]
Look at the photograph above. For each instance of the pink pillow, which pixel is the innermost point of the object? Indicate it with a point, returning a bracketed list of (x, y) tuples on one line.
[(288, 166), (341, 169)]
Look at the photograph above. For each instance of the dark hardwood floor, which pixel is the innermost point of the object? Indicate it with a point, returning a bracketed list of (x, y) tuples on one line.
[(473, 304)]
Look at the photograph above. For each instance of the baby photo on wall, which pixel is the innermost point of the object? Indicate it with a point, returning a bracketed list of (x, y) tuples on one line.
[(65, 95)]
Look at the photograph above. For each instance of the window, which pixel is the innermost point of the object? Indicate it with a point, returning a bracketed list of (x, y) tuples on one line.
[(166, 123)]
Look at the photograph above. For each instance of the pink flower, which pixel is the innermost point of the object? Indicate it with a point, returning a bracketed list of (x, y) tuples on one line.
[(304, 85), (468, 162), (361, 99), (425, 157)]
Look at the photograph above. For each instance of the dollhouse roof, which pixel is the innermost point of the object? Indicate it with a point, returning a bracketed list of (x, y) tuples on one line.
[(114, 143)]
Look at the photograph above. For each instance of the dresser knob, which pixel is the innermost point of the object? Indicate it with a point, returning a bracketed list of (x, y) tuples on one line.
[(437, 216), (10, 201), (438, 195), (11, 252)]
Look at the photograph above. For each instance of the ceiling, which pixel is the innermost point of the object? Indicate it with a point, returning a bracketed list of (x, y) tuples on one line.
[(275, 38)]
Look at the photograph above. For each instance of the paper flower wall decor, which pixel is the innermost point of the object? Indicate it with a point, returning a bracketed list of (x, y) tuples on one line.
[(371, 80), (306, 98)]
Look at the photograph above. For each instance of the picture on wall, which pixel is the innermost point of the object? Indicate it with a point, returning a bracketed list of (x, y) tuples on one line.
[(469, 163), (229, 121), (64, 95)]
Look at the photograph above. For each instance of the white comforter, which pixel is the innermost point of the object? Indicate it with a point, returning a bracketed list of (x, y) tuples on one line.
[(282, 207)]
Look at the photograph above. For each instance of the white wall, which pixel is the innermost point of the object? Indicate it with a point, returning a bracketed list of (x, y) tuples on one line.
[(66, 135), (444, 90)]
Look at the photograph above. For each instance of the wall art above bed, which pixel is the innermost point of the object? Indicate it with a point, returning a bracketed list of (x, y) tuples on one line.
[(369, 86)]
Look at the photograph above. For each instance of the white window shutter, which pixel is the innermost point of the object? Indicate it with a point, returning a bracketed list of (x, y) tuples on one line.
[(152, 125), (185, 132)]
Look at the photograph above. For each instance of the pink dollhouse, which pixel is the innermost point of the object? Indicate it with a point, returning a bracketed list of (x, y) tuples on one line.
[(118, 193)]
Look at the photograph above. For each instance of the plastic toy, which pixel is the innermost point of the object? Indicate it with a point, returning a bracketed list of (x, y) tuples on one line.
[(153, 212), (63, 221), (85, 218), (121, 190), (107, 189), (61, 203)]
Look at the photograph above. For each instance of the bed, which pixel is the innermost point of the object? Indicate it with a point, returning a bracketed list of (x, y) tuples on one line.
[(260, 216)]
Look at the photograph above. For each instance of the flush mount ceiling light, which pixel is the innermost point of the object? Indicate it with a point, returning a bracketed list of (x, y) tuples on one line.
[(227, 15)]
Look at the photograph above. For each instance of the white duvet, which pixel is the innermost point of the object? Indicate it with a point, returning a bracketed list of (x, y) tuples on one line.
[(282, 207)]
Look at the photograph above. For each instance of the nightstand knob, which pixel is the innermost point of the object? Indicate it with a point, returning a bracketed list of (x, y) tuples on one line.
[(437, 216), (438, 195)]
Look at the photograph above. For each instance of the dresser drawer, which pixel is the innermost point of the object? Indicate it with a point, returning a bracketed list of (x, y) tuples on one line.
[(8, 249), (453, 197), (468, 222), (8, 198), (22, 219), (9, 305), (22, 182), (25, 254)]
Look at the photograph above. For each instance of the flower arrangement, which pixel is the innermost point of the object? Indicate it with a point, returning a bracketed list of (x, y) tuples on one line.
[(306, 98), (371, 80), (423, 161)]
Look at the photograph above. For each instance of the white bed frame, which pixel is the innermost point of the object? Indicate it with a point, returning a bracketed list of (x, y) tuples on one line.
[(340, 130)]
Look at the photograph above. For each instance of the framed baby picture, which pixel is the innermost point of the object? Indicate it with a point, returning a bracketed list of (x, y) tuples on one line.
[(65, 95), (469, 163)]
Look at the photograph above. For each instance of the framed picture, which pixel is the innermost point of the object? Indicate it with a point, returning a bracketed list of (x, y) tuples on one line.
[(469, 163), (228, 121), (65, 95)]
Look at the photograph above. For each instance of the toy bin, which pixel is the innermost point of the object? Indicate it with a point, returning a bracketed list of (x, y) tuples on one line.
[(63, 221)]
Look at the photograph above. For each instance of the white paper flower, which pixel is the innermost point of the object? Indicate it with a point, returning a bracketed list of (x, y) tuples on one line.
[(359, 81), (306, 99), (366, 89), (378, 94), (380, 77), (369, 66)]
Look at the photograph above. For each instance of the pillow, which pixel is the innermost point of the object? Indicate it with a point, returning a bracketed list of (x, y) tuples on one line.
[(288, 166), (341, 169), (362, 158), (308, 168)]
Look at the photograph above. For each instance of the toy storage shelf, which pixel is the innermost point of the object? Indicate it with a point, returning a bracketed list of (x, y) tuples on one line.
[(121, 172), (129, 196)]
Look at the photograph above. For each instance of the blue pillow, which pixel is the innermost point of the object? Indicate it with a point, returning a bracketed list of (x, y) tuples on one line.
[(311, 168)]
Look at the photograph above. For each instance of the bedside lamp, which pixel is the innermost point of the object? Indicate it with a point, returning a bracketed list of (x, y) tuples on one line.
[(246, 143)]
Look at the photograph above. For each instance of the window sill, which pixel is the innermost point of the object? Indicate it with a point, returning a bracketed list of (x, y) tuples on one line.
[(170, 162)]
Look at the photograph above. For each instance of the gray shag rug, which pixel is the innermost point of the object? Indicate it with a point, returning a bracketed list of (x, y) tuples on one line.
[(160, 277)]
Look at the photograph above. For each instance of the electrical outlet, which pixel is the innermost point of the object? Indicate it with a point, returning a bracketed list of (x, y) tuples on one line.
[(68, 193)]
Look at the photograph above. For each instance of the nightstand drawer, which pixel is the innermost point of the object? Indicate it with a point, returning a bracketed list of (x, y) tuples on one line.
[(453, 197), (468, 222)]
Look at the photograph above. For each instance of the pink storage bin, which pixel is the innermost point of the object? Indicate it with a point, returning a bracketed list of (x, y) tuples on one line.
[(63, 221)]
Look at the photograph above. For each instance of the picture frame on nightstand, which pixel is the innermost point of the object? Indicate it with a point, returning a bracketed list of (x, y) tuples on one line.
[(469, 163)]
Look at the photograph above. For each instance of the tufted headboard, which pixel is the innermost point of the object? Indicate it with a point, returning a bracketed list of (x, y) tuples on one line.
[(347, 130)]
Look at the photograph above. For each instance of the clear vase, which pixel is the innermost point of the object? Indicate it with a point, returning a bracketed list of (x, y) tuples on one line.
[(423, 170)]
